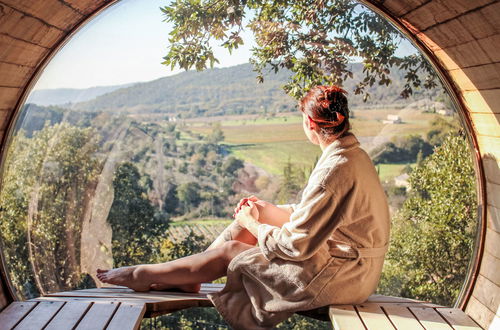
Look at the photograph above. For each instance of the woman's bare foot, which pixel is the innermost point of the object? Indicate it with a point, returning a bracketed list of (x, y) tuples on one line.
[(190, 288), (126, 276)]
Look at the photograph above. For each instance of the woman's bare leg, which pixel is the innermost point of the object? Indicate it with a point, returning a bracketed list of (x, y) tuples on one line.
[(268, 213), (197, 268)]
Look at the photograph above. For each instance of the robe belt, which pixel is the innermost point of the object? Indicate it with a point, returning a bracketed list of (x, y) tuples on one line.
[(351, 252)]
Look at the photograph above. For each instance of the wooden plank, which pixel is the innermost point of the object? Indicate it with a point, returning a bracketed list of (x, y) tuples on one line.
[(85, 6), (399, 8), (69, 315), (377, 298), (374, 317), (493, 218), (487, 124), (478, 77), (53, 12), (98, 316), (127, 317), (492, 243), (8, 97), (489, 268), (487, 292), (482, 101), (40, 315), (20, 52), (478, 24), (491, 168), (15, 312), (489, 146), (345, 317), (14, 75), (431, 13), (25, 27), (430, 318), (448, 34), (480, 313), (489, 45), (493, 191), (458, 319), (402, 318)]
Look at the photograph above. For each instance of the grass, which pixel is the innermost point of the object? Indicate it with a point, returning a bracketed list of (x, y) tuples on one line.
[(389, 171), (269, 142)]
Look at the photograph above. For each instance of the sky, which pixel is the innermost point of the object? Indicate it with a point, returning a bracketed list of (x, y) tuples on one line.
[(124, 44)]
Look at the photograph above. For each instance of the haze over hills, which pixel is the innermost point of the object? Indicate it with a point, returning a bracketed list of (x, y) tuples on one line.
[(59, 96), (221, 91)]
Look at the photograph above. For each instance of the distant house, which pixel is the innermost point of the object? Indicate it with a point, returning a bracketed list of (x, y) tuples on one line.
[(445, 112), (172, 119), (393, 119), (402, 181)]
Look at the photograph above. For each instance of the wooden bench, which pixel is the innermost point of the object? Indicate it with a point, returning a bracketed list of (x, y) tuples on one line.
[(121, 308)]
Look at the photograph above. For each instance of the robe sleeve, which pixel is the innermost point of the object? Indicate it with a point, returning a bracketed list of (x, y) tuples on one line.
[(313, 221)]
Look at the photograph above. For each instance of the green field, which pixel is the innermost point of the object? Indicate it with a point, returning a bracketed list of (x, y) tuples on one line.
[(270, 142), (389, 171)]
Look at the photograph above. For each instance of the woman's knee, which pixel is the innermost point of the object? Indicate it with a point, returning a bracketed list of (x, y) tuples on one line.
[(231, 249)]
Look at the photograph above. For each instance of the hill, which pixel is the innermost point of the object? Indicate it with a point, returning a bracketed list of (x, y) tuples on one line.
[(232, 90), (59, 96)]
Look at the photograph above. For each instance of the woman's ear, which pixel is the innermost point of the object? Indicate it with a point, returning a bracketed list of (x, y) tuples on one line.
[(311, 124)]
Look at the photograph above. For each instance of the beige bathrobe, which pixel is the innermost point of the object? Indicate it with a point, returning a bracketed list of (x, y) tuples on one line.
[(331, 251)]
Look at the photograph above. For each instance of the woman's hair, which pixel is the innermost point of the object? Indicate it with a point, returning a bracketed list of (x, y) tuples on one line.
[(327, 107)]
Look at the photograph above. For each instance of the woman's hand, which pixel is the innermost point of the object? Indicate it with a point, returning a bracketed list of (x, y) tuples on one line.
[(248, 214), (244, 202)]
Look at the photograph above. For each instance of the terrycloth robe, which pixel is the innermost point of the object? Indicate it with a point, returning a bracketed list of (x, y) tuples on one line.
[(331, 251)]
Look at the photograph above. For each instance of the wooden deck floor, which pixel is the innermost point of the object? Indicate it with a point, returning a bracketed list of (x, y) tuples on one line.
[(121, 308)]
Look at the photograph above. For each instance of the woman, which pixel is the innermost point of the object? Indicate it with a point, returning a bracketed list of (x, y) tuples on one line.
[(327, 249)]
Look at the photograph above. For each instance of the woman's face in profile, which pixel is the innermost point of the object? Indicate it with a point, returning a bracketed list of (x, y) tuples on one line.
[(308, 131)]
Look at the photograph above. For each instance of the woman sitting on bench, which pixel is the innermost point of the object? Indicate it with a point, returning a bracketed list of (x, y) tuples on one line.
[(327, 249)]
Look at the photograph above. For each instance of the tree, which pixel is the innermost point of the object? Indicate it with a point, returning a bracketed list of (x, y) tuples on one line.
[(189, 195), (433, 233), (137, 233), (47, 179), (315, 39)]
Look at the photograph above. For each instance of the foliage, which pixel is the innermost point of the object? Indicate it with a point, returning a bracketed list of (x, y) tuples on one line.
[(433, 233), (44, 188), (315, 39), (402, 150), (137, 233), (293, 181)]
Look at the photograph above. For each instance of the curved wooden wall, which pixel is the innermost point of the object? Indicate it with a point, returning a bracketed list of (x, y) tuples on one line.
[(462, 37)]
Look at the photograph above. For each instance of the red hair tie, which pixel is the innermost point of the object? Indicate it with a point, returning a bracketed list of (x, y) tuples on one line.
[(330, 123)]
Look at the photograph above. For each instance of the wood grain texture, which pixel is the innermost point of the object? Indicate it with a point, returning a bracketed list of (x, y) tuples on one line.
[(374, 317), (21, 52), (402, 318), (480, 313), (69, 315), (15, 313), (127, 317), (345, 317), (28, 28), (458, 319), (482, 101), (52, 12), (98, 316), (40, 315), (430, 318)]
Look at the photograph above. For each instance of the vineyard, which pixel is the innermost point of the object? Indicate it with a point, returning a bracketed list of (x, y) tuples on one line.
[(178, 233)]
